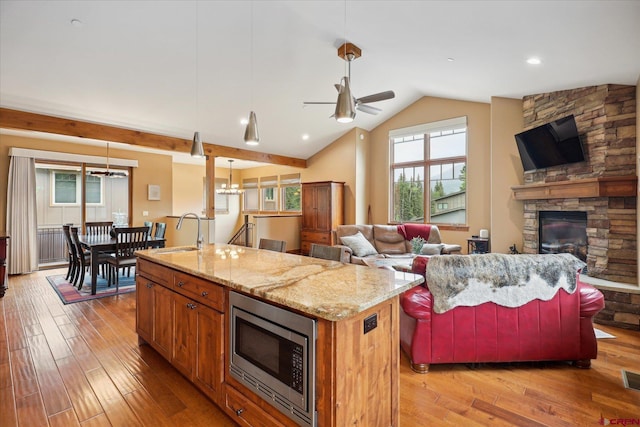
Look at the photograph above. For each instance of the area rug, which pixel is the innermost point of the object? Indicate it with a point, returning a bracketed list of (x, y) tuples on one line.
[(69, 294)]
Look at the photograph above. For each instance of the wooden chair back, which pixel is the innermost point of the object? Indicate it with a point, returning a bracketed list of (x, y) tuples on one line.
[(161, 227), (97, 228), (272, 245), (150, 225), (129, 240), (333, 253)]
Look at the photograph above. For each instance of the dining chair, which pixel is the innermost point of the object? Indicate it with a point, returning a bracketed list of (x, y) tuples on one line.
[(83, 258), (272, 245), (150, 225), (333, 253), (101, 227), (128, 241), (71, 253), (161, 227)]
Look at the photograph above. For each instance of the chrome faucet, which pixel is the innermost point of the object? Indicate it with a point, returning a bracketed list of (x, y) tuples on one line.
[(200, 239)]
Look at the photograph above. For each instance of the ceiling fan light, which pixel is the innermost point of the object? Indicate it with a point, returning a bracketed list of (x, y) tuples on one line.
[(345, 106), (197, 150), (251, 136)]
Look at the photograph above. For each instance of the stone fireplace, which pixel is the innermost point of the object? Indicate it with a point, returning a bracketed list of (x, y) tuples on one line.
[(563, 232), (603, 188)]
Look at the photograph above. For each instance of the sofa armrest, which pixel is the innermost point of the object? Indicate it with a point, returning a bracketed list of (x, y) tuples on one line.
[(417, 302), (591, 300), (346, 253), (451, 249)]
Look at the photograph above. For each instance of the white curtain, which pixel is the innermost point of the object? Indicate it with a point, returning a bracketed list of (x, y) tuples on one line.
[(22, 224)]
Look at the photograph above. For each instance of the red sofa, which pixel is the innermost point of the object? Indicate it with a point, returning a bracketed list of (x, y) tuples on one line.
[(558, 329)]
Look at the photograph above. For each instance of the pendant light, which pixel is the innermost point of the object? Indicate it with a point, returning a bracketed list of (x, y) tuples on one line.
[(197, 150), (109, 173), (231, 189), (251, 136), (346, 104)]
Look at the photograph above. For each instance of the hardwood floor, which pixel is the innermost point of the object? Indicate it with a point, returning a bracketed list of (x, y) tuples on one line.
[(80, 364)]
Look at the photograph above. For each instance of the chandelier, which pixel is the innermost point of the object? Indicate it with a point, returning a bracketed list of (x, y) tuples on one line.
[(231, 189)]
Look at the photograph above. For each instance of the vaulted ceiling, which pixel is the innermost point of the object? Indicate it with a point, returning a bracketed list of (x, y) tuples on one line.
[(173, 67)]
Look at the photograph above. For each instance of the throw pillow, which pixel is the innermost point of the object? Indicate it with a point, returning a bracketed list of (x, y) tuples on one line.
[(431, 249), (359, 245)]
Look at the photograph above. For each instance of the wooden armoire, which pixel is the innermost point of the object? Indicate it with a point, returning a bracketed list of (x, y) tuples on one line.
[(322, 212)]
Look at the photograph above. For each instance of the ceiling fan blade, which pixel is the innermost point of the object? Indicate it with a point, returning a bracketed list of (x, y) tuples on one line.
[(377, 97), (367, 109), (315, 103)]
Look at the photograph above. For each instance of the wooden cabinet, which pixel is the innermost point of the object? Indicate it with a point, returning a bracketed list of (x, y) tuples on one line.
[(184, 323), (4, 240), (198, 344), (322, 212), (153, 315)]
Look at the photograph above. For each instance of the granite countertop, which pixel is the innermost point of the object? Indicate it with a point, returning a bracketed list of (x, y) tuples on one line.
[(326, 289)]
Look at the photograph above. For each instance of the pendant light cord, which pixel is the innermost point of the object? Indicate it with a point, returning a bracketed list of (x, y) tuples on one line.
[(196, 71), (251, 57)]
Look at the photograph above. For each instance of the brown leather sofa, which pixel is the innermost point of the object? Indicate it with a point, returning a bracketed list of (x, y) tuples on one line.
[(389, 241)]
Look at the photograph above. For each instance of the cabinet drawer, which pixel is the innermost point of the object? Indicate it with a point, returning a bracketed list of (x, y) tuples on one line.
[(200, 290), (154, 272), (316, 237), (245, 412), (305, 247)]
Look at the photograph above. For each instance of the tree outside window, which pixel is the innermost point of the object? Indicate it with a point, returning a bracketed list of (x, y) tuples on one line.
[(440, 149)]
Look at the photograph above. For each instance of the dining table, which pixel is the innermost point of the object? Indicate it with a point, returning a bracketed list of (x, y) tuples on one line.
[(97, 243)]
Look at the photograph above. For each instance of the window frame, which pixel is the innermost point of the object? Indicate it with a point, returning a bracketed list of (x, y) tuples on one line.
[(426, 130), (78, 187)]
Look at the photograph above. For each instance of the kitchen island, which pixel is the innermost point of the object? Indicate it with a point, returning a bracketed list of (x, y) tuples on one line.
[(183, 313)]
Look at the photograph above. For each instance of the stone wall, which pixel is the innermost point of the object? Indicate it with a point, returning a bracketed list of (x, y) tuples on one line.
[(606, 120)]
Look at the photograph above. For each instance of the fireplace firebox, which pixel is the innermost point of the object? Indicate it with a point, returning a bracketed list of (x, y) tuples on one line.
[(563, 232)]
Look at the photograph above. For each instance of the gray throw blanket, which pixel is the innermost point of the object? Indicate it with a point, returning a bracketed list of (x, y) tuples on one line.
[(507, 280)]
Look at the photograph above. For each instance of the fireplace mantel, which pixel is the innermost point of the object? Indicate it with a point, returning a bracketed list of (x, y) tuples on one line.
[(610, 186)]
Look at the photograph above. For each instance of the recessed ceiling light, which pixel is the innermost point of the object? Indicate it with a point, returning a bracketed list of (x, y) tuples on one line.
[(244, 121), (76, 22), (305, 136), (534, 61)]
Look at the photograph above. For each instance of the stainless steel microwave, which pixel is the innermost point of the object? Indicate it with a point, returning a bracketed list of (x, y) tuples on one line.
[(272, 352)]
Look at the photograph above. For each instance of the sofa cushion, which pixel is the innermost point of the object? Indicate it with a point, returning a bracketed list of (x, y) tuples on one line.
[(387, 240), (431, 249), (350, 230), (359, 245)]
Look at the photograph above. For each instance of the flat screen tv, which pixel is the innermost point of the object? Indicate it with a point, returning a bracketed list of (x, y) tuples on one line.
[(552, 144)]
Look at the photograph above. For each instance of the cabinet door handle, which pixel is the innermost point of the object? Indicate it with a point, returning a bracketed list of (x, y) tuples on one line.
[(239, 411), (180, 284), (191, 305), (204, 293), (149, 285)]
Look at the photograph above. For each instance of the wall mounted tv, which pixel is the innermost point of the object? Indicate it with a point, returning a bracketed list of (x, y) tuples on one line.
[(552, 144)]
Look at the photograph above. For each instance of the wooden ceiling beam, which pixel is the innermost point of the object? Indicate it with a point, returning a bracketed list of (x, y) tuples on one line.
[(16, 119)]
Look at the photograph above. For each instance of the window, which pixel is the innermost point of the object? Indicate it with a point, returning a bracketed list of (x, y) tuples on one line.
[(66, 188), (221, 200), (428, 163), (250, 197), (268, 190), (290, 189)]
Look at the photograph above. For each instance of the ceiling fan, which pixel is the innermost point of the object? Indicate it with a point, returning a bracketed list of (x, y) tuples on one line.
[(346, 104)]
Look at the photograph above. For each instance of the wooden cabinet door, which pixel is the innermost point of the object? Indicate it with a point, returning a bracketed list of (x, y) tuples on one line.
[(163, 320), (308, 207), (323, 207), (144, 308), (209, 352), (184, 338)]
